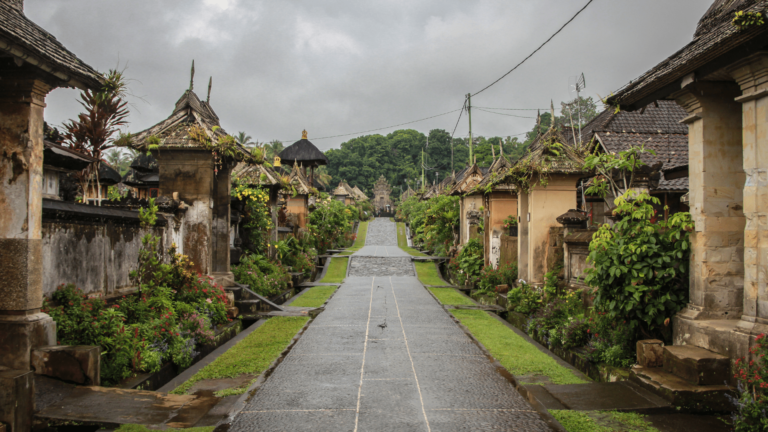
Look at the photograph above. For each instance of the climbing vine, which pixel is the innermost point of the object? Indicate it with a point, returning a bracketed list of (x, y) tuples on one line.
[(258, 216)]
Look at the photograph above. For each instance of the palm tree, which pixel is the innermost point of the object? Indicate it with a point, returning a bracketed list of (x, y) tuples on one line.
[(243, 139), (274, 148), (118, 160)]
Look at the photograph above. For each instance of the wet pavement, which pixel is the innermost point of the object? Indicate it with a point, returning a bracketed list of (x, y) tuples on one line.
[(385, 356)]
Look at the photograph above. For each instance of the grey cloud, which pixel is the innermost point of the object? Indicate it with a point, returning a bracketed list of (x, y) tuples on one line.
[(343, 66)]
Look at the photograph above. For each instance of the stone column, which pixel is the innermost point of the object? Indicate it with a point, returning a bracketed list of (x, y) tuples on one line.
[(751, 74), (22, 325), (220, 226), (716, 180)]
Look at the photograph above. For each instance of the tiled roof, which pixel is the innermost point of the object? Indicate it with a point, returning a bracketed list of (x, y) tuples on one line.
[(670, 148), (662, 116), (27, 41), (715, 37), (676, 185)]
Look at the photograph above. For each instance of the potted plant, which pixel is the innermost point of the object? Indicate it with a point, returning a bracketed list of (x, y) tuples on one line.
[(510, 224)]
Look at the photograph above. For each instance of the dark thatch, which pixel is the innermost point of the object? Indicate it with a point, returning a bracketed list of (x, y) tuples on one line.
[(64, 158), (717, 42), (303, 152), (27, 42), (108, 175), (145, 163), (138, 179)]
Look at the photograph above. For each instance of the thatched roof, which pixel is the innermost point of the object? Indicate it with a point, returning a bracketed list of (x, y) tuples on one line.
[(252, 174), (145, 163), (715, 42), (407, 194), (137, 179), (108, 175), (359, 195), (344, 190), (303, 152), (64, 158), (497, 169), (566, 159), (299, 181), (467, 179), (174, 132), (27, 42)]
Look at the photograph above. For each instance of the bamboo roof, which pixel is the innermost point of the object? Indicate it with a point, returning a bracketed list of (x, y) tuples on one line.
[(303, 152), (253, 175)]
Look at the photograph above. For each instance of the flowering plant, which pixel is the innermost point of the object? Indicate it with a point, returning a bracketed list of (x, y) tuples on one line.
[(752, 403), (510, 221)]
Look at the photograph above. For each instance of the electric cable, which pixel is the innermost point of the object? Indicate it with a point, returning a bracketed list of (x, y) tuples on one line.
[(503, 114), (536, 50)]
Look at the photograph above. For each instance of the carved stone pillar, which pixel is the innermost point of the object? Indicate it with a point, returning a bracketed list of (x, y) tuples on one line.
[(751, 74), (716, 180), (22, 325), (220, 265)]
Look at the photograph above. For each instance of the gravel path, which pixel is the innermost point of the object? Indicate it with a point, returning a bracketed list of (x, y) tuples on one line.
[(385, 356)]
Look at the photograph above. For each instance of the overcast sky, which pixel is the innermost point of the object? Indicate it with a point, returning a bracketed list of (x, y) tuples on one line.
[(343, 66)]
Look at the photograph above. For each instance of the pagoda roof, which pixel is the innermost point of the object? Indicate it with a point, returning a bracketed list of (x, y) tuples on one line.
[(303, 152)]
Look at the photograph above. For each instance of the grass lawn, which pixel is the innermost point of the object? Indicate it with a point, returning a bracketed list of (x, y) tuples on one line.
[(449, 296), (602, 421), (314, 297), (402, 242), (428, 273), (337, 270), (142, 428), (362, 231), (251, 355), (513, 352)]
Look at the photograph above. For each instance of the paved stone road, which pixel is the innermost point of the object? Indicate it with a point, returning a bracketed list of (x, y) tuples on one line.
[(384, 356)]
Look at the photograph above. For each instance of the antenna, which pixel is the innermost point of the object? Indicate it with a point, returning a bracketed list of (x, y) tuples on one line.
[(579, 84)]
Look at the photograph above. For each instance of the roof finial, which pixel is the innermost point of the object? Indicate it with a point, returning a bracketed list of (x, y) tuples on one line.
[(552, 109), (210, 84), (304, 134), (192, 77), (501, 147)]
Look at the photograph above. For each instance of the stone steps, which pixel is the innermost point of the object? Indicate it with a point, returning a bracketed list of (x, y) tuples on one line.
[(681, 393), (696, 365)]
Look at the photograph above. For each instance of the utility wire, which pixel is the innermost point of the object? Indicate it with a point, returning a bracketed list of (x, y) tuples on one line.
[(387, 127), (503, 114), (516, 109), (536, 50)]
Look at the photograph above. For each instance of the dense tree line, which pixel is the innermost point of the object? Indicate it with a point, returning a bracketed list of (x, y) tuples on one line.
[(397, 156)]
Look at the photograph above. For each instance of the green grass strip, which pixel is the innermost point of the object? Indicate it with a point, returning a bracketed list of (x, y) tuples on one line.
[(251, 355), (402, 242), (516, 354), (602, 421), (314, 297), (142, 428), (449, 296), (337, 270), (427, 272)]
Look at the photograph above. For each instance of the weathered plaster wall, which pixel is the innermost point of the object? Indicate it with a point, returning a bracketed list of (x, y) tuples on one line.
[(297, 206), (468, 203), (500, 206), (96, 257), (545, 204)]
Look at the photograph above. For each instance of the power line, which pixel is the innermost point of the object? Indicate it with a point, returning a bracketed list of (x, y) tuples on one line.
[(508, 115), (536, 50), (515, 109), (387, 127)]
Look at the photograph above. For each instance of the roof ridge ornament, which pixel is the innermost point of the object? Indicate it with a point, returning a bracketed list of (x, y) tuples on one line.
[(210, 84), (192, 76), (304, 134)]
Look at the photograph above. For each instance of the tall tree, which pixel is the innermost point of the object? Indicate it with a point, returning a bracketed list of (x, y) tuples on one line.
[(243, 139), (94, 131)]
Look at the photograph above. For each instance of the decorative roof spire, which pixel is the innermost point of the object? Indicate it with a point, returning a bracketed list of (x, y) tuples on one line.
[(192, 77), (552, 110), (304, 134), (501, 147), (210, 84)]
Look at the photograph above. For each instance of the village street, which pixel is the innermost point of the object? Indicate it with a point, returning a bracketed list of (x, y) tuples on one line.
[(385, 356)]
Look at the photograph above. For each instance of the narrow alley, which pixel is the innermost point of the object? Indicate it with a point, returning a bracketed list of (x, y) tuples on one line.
[(385, 356)]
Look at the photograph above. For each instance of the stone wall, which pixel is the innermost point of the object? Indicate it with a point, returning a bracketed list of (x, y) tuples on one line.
[(576, 251), (96, 248)]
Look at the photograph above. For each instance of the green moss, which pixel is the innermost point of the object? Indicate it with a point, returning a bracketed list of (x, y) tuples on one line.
[(427, 272), (402, 242), (142, 428), (251, 355), (337, 270), (314, 297), (516, 354), (233, 391), (602, 421), (449, 296)]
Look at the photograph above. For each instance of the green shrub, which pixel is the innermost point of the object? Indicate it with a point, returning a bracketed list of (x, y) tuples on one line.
[(261, 275), (525, 299), (752, 402), (470, 260), (490, 278)]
